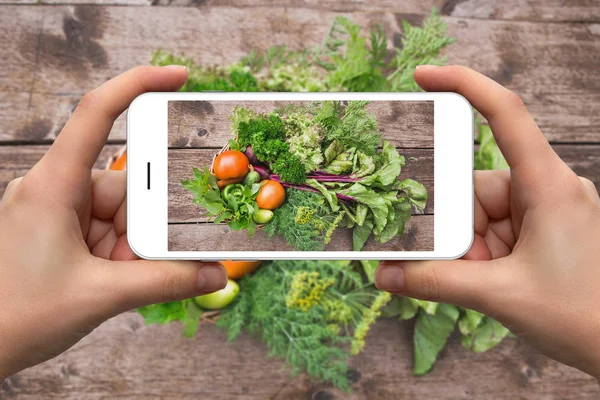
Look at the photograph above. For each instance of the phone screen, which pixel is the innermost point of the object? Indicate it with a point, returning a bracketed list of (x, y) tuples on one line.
[(301, 175)]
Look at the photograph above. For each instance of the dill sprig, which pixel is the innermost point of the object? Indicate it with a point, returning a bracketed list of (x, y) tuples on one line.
[(298, 308)]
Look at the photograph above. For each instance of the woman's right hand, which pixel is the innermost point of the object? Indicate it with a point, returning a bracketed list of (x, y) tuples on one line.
[(535, 261)]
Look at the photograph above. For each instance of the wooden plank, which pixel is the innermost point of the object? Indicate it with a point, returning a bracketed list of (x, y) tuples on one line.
[(531, 10), (207, 124), (125, 359), (16, 161), (418, 236), (419, 166), (54, 54)]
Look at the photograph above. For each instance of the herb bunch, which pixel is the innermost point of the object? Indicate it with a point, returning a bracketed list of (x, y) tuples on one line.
[(308, 313)]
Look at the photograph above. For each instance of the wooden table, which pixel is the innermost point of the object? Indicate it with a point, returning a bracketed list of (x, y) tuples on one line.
[(54, 50)]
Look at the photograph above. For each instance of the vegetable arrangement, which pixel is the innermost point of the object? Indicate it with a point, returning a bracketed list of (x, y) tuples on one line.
[(316, 314), (328, 149)]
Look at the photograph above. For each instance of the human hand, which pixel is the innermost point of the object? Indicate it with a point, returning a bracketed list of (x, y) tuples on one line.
[(65, 265), (535, 261)]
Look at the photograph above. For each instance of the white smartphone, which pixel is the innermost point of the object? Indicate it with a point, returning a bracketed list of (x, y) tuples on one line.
[(264, 176)]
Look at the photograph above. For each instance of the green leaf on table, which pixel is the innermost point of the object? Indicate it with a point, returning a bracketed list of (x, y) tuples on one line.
[(416, 192), (332, 151), (191, 321), (369, 266), (488, 334), (374, 201), (360, 234), (469, 321), (431, 334), (329, 195), (363, 165), (162, 313), (408, 309), (430, 307), (389, 170), (488, 156)]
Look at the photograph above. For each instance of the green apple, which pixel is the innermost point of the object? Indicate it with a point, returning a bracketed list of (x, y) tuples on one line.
[(219, 299)]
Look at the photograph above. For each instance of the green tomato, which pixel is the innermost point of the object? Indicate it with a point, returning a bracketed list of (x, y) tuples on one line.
[(262, 216), (252, 178), (219, 299)]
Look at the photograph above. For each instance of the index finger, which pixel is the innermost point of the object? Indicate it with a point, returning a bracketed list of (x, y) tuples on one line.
[(518, 136), (81, 140)]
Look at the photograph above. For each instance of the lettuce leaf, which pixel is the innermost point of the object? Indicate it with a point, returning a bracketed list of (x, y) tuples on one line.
[(391, 164), (488, 334), (431, 334), (415, 191), (469, 321)]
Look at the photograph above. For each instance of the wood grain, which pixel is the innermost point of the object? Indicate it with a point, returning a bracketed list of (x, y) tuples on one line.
[(52, 55), (126, 359), (16, 161), (419, 166), (418, 236), (531, 10), (207, 124)]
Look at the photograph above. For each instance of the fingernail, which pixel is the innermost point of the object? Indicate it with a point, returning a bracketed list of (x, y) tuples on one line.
[(390, 277), (425, 67), (176, 67), (211, 278)]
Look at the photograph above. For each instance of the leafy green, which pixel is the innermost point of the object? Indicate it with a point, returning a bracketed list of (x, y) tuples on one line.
[(488, 334), (266, 135), (237, 210), (163, 313), (416, 192), (304, 139), (469, 321), (206, 192), (431, 334), (420, 45), (191, 319), (489, 155), (352, 125), (390, 164)]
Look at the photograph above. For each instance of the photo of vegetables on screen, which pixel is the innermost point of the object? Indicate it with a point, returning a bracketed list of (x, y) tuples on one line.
[(303, 176)]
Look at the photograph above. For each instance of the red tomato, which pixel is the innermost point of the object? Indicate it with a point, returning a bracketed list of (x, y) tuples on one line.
[(231, 164), (271, 195)]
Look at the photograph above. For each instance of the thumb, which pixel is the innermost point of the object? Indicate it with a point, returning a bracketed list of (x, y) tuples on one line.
[(142, 282), (465, 283)]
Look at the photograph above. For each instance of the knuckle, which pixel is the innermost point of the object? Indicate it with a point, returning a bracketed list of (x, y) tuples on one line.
[(173, 287), (430, 285), (88, 100), (515, 100), (587, 183)]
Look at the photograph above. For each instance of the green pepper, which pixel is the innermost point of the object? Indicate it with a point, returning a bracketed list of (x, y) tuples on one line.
[(233, 192)]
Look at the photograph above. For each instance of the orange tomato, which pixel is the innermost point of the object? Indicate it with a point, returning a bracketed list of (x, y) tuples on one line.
[(271, 195), (237, 269), (120, 164), (231, 164)]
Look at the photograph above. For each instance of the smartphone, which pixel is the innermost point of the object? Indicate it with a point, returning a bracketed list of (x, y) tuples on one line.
[(265, 176)]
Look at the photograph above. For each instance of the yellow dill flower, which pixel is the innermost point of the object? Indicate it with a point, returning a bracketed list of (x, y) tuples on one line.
[(333, 226), (306, 290), (304, 215), (369, 317), (338, 311)]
